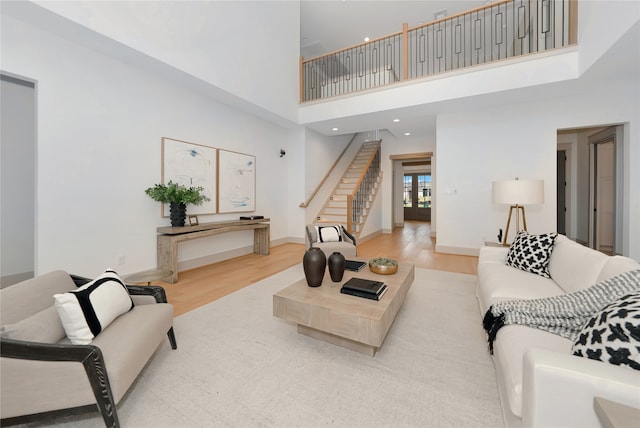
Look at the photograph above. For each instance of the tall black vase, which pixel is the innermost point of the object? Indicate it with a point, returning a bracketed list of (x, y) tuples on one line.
[(314, 263), (177, 213), (336, 264)]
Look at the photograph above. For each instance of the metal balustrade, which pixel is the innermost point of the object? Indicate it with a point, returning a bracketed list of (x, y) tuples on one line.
[(353, 69), (359, 200), (494, 32)]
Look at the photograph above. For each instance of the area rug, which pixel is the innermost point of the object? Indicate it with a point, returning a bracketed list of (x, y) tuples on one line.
[(238, 366)]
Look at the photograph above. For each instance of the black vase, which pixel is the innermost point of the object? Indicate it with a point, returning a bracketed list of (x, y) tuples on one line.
[(314, 263), (177, 213), (336, 266)]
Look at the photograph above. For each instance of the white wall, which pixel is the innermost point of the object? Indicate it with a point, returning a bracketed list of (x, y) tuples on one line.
[(247, 48), (321, 153), (600, 24), (99, 137), (519, 140)]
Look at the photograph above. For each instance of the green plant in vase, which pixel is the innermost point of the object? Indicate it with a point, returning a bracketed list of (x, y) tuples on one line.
[(178, 197)]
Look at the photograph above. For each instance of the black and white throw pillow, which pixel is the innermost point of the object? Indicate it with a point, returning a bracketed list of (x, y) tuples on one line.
[(613, 334), (89, 309), (329, 233), (531, 253)]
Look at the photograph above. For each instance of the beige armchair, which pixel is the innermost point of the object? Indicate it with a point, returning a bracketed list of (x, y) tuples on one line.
[(44, 375), (335, 240)]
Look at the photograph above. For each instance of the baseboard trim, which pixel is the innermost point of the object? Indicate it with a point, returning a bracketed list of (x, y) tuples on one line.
[(363, 239), (288, 240), (460, 251)]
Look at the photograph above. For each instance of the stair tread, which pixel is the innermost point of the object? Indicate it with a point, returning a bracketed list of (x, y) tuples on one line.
[(335, 209)]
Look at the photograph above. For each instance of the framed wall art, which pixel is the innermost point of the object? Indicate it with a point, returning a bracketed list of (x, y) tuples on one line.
[(190, 165), (236, 182)]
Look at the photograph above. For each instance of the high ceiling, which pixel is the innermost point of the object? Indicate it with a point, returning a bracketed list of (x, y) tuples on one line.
[(330, 25)]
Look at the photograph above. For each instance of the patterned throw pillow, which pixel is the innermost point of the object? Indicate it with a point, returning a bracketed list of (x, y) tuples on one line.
[(89, 309), (329, 234), (531, 253), (613, 334)]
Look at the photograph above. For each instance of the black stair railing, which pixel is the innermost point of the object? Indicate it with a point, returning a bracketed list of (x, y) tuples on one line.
[(358, 200)]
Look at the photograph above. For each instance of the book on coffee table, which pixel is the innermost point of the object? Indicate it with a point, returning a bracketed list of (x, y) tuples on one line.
[(363, 285), (354, 265), (366, 295)]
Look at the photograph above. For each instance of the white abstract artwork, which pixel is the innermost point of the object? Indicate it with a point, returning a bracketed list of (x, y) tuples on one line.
[(191, 165), (236, 182)]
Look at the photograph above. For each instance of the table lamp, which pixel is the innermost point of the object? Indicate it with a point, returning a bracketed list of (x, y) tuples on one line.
[(517, 193)]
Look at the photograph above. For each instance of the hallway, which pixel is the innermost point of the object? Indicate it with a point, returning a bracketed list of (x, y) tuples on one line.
[(413, 244)]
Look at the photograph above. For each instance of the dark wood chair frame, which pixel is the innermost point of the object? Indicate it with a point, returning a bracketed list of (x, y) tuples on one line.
[(89, 355)]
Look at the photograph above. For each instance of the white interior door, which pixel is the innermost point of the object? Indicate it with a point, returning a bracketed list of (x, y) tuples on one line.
[(605, 191)]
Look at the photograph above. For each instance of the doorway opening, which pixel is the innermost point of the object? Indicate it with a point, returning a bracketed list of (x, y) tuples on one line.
[(413, 184), (589, 186), (18, 179)]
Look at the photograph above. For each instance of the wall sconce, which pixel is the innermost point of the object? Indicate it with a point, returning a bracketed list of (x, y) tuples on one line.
[(282, 153), (517, 193)]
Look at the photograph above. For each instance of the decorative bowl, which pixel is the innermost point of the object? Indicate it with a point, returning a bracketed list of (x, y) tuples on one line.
[(383, 266)]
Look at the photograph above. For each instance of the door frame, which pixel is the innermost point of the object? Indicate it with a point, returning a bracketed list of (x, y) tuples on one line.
[(32, 84), (606, 136), (397, 210)]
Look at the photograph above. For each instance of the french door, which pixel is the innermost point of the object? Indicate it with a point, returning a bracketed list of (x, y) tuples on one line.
[(417, 196)]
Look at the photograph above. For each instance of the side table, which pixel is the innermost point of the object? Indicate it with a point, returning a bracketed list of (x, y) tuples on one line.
[(148, 276), (495, 244)]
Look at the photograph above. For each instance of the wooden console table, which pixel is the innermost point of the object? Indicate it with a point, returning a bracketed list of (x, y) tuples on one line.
[(169, 237)]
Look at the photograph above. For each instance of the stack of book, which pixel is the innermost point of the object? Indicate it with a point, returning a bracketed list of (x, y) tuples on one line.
[(366, 288), (354, 265)]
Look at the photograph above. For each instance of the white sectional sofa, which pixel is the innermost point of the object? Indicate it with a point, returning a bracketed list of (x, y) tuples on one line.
[(541, 383)]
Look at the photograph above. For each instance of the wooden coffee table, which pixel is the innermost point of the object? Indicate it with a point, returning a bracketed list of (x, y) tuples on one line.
[(352, 322)]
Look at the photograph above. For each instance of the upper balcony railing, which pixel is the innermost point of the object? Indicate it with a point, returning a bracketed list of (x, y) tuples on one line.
[(497, 31)]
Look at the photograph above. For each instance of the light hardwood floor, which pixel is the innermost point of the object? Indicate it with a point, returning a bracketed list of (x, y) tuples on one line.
[(411, 243)]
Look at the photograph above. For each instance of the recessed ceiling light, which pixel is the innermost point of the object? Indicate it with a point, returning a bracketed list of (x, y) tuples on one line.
[(396, 120), (366, 39), (334, 129), (407, 133)]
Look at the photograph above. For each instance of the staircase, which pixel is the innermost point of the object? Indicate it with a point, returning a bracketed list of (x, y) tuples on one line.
[(351, 200)]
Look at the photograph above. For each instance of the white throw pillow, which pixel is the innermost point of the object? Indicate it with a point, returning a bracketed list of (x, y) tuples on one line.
[(89, 309), (329, 234)]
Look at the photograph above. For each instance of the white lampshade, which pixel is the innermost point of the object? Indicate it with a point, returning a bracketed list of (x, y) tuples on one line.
[(518, 192)]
